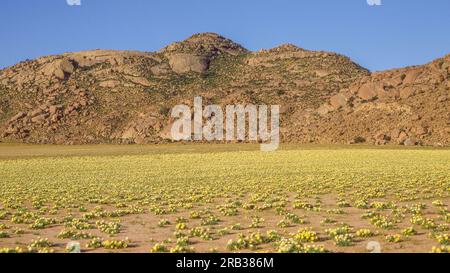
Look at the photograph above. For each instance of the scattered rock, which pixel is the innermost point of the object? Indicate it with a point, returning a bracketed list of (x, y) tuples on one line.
[(407, 92), (382, 138), (39, 119), (402, 138), (395, 133), (110, 84), (420, 131), (412, 75), (139, 80), (338, 101), (53, 109), (442, 99), (415, 117), (130, 133), (369, 91), (394, 82), (325, 109), (35, 112), (321, 73), (59, 68), (20, 115)]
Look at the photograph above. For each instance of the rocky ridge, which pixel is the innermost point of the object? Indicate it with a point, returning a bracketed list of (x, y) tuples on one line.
[(107, 96)]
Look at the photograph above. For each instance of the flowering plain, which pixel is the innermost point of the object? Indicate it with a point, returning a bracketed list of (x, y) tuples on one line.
[(223, 198)]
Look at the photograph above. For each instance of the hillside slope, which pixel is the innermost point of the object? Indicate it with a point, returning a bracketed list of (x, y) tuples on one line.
[(106, 96)]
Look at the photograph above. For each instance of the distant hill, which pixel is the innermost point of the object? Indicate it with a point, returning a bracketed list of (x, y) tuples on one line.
[(107, 96)]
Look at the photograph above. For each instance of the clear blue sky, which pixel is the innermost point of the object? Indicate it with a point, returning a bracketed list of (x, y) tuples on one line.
[(396, 34)]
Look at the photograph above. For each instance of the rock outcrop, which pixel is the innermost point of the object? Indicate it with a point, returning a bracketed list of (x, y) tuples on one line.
[(183, 63), (411, 103)]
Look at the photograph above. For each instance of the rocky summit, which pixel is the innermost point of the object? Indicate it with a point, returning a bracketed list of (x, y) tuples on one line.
[(107, 96)]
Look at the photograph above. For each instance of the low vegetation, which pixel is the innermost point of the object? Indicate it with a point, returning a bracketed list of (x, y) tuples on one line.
[(292, 200)]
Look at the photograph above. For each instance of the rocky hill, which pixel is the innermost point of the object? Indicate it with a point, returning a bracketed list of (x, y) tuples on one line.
[(106, 96), (407, 106)]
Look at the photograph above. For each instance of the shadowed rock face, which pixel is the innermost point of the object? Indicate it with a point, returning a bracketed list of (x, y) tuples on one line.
[(107, 96)]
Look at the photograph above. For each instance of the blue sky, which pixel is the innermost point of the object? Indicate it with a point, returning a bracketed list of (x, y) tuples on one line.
[(396, 34)]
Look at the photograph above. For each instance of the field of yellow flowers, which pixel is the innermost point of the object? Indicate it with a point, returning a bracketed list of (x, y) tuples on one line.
[(211, 198)]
